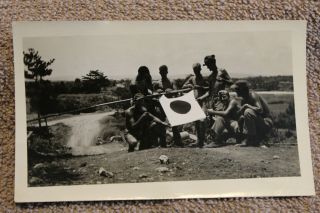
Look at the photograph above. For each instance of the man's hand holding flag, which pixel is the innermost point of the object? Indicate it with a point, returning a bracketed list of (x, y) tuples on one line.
[(181, 110)]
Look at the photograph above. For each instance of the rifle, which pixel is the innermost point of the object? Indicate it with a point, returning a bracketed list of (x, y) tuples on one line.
[(108, 104)]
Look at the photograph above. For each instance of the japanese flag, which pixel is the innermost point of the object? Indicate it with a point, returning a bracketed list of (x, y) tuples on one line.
[(181, 110)]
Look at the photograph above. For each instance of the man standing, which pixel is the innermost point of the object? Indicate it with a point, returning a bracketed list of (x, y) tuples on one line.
[(143, 126), (210, 63), (217, 80), (165, 85), (196, 82), (143, 81), (255, 113), (199, 85)]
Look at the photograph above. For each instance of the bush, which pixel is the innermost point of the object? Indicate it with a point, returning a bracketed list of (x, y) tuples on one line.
[(45, 143), (286, 120)]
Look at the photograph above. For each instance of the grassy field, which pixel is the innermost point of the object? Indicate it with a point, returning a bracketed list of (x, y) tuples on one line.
[(278, 102)]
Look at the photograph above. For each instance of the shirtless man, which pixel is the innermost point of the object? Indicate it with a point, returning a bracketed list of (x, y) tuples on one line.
[(218, 80), (165, 85), (210, 63), (196, 82), (225, 119), (199, 85), (143, 81), (254, 112), (143, 126)]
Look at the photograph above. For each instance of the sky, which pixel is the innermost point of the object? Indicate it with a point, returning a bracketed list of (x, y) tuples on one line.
[(119, 56)]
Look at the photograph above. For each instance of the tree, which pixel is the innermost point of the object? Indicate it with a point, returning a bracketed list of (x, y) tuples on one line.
[(36, 69), (94, 80), (76, 86)]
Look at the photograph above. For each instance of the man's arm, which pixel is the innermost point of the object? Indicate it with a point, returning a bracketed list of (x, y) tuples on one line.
[(257, 107), (232, 105), (212, 81), (174, 85), (157, 86), (203, 96), (188, 83), (134, 123), (157, 120)]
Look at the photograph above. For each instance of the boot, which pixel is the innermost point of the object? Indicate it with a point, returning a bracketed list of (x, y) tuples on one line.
[(177, 141), (196, 144), (132, 147), (239, 138), (252, 140), (213, 145), (218, 142)]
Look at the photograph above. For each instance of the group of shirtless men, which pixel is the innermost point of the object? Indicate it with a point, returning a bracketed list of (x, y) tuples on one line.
[(248, 120)]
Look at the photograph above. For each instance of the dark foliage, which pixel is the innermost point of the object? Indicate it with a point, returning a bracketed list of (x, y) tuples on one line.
[(49, 140), (36, 67), (41, 98), (270, 83), (94, 81), (286, 119)]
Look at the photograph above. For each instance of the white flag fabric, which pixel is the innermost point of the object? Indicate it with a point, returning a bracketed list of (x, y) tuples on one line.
[(181, 110)]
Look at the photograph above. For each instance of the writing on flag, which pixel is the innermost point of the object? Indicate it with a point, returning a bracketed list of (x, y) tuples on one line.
[(181, 110)]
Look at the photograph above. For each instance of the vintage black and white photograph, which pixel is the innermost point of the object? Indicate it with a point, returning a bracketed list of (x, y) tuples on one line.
[(159, 107)]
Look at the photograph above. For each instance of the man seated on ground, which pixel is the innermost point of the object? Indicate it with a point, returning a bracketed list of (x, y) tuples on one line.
[(143, 126), (199, 85), (225, 119), (255, 114)]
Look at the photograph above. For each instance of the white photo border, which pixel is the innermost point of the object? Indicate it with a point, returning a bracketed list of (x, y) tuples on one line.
[(254, 187)]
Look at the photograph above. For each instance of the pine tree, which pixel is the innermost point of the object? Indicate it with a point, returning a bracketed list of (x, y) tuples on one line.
[(36, 69)]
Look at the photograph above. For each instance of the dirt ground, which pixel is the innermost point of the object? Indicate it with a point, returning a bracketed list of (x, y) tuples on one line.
[(229, 162)]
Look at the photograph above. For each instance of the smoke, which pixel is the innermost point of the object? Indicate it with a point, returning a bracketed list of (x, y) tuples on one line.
[(85, 131)]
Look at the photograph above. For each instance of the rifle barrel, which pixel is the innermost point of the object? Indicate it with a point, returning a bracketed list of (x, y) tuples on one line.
[(106, 104)]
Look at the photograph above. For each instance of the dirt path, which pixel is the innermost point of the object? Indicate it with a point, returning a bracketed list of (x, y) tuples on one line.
[(85, 129)]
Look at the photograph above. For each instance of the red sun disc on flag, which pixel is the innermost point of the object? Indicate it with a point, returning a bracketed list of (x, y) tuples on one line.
[(181, 107)]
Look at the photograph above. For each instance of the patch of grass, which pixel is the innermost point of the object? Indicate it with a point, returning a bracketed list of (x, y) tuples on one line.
[(45, 144), (44, 147), (276, 109), (52, 172), (274, 98)]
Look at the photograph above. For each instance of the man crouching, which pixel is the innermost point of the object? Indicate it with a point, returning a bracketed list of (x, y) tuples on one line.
[(143, 127), (225, 119), (254, 114)]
